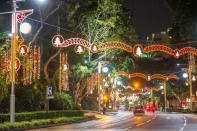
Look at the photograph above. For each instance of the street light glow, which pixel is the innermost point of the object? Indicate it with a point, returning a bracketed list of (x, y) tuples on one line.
[(105, 69), (119, 83), (185, 75), (25, 28), (41, 1)]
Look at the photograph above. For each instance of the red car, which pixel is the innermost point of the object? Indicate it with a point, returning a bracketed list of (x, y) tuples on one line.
[(151, 108)]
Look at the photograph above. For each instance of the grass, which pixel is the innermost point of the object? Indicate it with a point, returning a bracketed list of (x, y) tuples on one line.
[(43, 122)]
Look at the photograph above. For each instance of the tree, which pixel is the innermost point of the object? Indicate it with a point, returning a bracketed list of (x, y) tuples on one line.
[(4, 45), (78, 82), (184, 23)]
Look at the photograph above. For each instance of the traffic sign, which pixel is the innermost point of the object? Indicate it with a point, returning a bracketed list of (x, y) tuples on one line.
[(50, 91)]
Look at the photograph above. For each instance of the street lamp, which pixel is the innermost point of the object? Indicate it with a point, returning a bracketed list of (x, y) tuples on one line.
[(25, 28), (119, 83), (185, 75), (41, 1), (13, 54), (105, 69)]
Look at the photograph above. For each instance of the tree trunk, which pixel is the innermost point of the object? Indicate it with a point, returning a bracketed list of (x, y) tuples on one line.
[(47, 77)]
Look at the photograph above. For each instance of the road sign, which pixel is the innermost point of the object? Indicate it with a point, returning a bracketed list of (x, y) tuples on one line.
[(50, 91)]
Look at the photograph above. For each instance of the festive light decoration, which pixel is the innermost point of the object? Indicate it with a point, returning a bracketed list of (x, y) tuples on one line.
[(79, 49), (57, 40), (151, 89), (20, 16), (39, 58), (21, 40), (138, 50), (148, 77), (63, 76), (94, 48), (31, 65), (115, 44), (3, 63), (35, 61), (158, 47), (23, 50), (174, 52)]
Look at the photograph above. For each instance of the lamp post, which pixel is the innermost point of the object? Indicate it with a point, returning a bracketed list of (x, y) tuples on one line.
[(13, 57), (165, 97), (100, 65), (13, 54)]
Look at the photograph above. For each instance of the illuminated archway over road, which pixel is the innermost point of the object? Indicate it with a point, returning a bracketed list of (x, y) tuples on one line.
[(148, 77)]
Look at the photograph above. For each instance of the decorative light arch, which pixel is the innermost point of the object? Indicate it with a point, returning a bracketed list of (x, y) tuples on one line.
[(162, 48), (152, 89), (158, 47), (148, 77), (115, 44)]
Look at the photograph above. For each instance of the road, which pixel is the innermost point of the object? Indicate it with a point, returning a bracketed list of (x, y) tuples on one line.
[(125, 121)]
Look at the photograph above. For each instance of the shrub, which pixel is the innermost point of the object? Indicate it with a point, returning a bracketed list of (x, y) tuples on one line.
[(28, 116), (112, 110), (61, 101), (32, 124)]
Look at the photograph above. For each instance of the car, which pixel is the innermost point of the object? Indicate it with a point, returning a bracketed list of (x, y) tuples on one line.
[(138, 110), (150, 108)]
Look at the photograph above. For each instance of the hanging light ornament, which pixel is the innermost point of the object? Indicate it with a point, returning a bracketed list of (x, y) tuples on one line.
[(31, 65), (193, 78), (39, 58), (35, 63)]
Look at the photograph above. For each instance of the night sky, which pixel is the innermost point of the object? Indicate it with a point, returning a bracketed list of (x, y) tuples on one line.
[(150, 16)]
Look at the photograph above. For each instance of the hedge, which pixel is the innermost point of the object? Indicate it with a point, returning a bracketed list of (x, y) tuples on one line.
[(42, 123), (28, 116)]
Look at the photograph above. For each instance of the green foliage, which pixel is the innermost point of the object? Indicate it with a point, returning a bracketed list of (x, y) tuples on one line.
[(61, 101), (111, 110), (3, 88), (4, 42), (28, 116), (34, 123), (90, 103), (184, 23)]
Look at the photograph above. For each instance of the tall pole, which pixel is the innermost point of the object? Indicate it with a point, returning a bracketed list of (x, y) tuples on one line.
[(190, 81), (99, 86), (13, 57), (165, 98)]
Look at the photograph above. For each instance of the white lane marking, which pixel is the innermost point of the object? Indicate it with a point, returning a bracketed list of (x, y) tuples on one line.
[(140, 123), (168, 118), (184, 125)]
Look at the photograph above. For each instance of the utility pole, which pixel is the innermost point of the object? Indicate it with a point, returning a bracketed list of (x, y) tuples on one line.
[(99, 86), (165, 98), (190, 80), (13, 57)]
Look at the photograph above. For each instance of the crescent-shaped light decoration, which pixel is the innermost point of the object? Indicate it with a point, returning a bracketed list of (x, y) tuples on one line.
[(141, 75), (148, 77), (115, 44), (59, 42), (172, 77), (157, 47), (158, 76), (186, 50)]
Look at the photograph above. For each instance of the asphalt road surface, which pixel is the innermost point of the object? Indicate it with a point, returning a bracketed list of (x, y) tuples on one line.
[(125, 121)]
